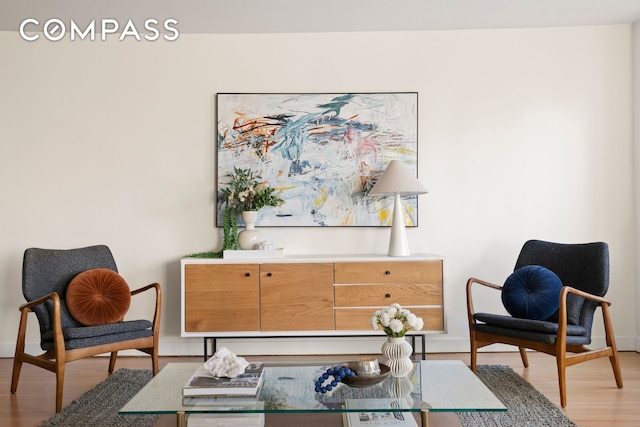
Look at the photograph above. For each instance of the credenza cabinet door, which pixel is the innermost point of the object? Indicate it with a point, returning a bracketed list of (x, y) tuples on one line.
[(222, 297), (296, 297)]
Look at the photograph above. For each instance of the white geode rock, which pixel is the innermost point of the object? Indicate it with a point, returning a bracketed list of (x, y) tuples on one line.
[(265, 245), (225, 364)]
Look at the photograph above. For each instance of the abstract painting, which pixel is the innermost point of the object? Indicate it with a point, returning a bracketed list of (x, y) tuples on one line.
[(322, 151)]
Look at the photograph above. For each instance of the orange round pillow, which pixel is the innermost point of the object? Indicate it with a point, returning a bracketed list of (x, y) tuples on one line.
[(97, 297)]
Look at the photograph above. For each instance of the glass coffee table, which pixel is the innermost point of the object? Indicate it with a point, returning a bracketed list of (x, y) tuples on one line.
[(432, 386)]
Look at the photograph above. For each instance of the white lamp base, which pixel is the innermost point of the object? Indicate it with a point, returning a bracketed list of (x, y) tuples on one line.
[(398, 243)]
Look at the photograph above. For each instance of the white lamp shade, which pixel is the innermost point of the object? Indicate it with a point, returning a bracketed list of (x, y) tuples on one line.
[(397, 179)]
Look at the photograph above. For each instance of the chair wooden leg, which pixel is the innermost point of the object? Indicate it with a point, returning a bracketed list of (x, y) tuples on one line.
[(615, 364), (20, 343), (474, 351), (112, 361), (17, 366), (611, 342), (562, 380), (59, 385), (524, 357), (154, 361)]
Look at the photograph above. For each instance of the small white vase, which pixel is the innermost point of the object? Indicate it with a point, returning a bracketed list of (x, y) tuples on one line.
[(249, 237), (397, 351)]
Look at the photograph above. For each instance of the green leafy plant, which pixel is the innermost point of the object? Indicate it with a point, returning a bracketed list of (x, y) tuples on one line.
[(230, 224), (245, 191), (209, 254)]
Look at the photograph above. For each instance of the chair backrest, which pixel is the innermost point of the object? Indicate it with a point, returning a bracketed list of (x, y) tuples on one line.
[(584, 266), (50, 270)]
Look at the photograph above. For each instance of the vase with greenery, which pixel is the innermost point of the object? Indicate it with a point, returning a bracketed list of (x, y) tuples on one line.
[(244, 191)]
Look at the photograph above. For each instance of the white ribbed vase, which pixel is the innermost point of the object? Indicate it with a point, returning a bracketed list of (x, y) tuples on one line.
[(249, 237), (397, 351)]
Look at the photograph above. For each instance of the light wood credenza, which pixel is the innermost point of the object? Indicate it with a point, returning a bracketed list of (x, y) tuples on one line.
[(307, 296)]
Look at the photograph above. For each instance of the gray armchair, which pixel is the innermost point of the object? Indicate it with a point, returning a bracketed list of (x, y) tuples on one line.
[(46, 274), (584, 272)]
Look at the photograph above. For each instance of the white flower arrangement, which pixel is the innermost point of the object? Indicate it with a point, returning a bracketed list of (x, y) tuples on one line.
[(396, 321)]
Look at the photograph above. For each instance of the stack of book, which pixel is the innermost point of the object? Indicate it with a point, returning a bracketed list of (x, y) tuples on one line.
[(225, 394), (202, 383)]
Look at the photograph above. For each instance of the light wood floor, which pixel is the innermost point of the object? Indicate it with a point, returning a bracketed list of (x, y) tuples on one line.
[(593, 398)]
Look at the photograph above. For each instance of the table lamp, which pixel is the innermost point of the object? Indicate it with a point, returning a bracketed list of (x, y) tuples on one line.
[(397, 180)]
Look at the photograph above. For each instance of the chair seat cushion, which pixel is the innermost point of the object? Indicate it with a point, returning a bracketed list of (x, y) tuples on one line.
[(515, 323), (97, 297), (79, 332), (571, 340), (532, 292), (88, 336)]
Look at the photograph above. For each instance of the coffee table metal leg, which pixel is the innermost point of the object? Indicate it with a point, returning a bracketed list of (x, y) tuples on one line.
[(425, 417), (181, 419)]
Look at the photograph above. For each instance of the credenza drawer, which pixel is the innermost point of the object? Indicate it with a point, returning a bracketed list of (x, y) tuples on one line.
[(385, 294), (389, 272)]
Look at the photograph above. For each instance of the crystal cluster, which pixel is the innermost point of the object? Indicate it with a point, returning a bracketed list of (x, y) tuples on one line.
[(225, 364)]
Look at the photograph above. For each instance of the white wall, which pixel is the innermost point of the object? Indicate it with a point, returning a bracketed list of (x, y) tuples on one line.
[(522, 134)]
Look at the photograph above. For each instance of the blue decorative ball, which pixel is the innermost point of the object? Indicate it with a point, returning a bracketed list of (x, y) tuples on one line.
[(532, 292)]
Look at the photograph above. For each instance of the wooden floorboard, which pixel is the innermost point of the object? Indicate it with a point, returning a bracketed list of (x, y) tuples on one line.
[(593, 398)]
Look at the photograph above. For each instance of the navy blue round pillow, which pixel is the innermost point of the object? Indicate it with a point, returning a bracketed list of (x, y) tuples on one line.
[(532, 292)]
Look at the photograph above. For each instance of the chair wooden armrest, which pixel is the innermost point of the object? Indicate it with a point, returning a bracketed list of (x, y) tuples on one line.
[(470, 283), (39, 301), (58, 338), (481, 282), (562, 311), (587, 295), (156, 312), (26, 308), (155, 286)]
